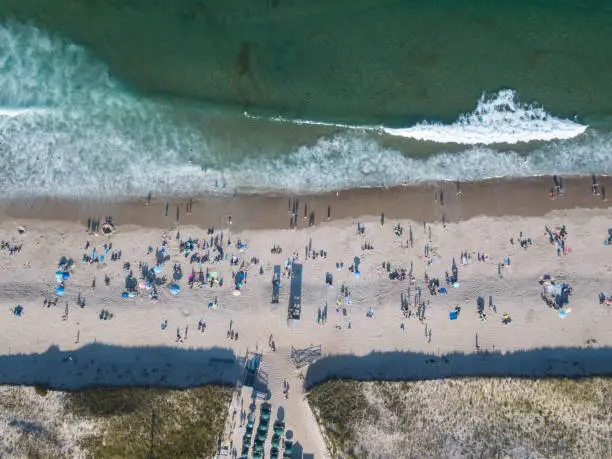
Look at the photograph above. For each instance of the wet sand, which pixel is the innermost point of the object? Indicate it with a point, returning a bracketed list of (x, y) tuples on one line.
[(521, 197)]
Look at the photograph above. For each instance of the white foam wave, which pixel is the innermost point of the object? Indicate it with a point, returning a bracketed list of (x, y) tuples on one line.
[(352, 160), (69, 130), (499, 118), (9, 111)]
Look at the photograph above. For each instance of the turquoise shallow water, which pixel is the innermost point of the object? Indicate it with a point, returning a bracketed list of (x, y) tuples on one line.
[(125, 97)]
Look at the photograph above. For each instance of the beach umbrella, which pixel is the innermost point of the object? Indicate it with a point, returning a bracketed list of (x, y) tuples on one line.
[(59, 291), (66, 276), (175, 289), (124, 295), (275, 441), (288, 447)]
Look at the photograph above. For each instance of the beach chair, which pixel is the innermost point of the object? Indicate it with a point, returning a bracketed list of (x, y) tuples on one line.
[(276, 280), (295, 294)]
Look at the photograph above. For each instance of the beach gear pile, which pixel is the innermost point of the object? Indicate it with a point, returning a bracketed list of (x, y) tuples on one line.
[(239, 280), (11, 247), (454, 315), (556, 294), (322, 315), (62, 275), (106, 315), (557, 238), (454, 278), (480, 302)]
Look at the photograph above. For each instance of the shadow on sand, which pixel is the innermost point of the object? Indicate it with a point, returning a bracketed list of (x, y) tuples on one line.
[(389, 366), (105, 365)]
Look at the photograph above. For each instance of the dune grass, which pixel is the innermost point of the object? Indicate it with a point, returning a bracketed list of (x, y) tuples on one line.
[(112, 422), (466, 417), (147, 422)]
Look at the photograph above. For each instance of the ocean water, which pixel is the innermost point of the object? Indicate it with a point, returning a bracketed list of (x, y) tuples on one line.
[(117, 99)]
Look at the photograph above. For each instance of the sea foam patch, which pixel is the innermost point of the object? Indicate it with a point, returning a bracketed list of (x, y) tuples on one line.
[(68, 129), (499, 118)]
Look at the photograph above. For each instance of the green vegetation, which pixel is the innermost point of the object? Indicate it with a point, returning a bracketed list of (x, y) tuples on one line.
[(339, 406), (147, 422), (40, 390), (466, 417), (113, 423)]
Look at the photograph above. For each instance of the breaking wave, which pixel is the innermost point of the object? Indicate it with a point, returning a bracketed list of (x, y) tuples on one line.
[(68, 129), (499, 118)]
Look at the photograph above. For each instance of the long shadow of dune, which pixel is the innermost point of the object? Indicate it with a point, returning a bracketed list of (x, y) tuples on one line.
[(105, 365), (537, 363)]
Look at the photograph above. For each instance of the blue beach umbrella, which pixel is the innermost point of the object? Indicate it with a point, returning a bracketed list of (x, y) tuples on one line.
[(59, 291), (66, 276), (175, 289), (124, 295)]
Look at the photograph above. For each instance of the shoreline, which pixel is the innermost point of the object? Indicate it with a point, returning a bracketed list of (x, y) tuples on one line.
[(527, 197)]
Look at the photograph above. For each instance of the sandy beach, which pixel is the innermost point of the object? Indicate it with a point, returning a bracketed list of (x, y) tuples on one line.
[(68, 345)]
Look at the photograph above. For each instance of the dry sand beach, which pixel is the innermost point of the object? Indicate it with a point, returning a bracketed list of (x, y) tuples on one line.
[(137, 340)]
